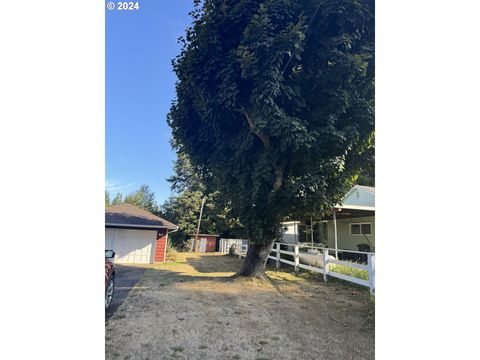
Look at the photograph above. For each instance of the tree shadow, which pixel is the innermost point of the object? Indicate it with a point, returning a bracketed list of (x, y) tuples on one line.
[(204, 268), (213, 264)]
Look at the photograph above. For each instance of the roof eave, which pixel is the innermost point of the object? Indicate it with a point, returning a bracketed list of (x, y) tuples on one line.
[(142, 226), (355, 207)]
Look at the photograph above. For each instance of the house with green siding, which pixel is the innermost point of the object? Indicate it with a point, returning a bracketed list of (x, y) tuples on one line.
[(349, 226)]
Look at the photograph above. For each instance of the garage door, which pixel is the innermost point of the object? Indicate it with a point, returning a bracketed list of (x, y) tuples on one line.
[(110, 235), (131, 246)]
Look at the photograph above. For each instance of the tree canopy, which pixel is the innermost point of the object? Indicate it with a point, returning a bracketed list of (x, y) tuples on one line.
[(143, 198), (118, 199), (275, 103)]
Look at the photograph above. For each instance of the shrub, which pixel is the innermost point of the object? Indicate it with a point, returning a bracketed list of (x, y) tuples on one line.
[(171, 253)]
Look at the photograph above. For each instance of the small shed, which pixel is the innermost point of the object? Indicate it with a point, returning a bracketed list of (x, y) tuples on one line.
[(206, 243)]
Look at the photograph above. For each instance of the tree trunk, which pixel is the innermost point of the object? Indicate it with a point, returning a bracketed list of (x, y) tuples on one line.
[(254, 264)]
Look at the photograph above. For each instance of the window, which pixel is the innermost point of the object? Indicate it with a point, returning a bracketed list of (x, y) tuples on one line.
[(355, 229), (361, 229), (366, 229)]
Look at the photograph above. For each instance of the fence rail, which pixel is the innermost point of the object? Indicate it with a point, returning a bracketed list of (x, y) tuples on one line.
[(319, 262), (239, 247), (323, 257)]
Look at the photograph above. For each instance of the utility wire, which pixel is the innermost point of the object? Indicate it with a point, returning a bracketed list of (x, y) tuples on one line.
[(262, 111), (308, 25)]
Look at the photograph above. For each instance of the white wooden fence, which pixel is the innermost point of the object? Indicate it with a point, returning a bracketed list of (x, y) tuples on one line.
[(240, 246), (326, 260), (243, 250)]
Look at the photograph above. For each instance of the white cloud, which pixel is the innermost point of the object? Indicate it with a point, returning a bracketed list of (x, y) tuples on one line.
[(114, 186)]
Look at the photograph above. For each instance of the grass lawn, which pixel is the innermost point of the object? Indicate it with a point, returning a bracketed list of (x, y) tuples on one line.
[(346, 270), (193, 309)]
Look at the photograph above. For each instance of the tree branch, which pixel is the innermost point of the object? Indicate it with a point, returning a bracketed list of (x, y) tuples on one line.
[(277, 184), (264, 138)]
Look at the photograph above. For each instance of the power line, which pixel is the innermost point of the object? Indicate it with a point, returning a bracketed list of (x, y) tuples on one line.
[(308, 25), (262, 111)]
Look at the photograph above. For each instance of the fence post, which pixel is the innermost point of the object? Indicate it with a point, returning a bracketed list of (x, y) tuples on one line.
[(371, 272), (325, 264), (296, 256), (278, 255)]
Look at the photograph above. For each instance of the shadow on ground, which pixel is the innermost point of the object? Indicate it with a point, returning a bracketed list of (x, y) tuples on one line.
[(125, 279), (215, 267), (215, 263)]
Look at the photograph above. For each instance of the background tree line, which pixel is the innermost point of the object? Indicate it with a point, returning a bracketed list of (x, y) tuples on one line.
[(183, 206), (143, 198)]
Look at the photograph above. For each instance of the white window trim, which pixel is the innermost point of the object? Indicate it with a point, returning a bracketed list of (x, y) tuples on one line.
[(361, 223)]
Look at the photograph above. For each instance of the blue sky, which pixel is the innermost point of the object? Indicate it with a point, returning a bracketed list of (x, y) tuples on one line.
[(140, 86)]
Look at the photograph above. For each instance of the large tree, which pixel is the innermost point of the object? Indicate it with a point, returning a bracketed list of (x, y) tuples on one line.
[(366, 172), (275, 105)]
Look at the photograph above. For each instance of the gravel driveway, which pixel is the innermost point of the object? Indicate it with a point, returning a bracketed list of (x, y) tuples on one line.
[(194, 310)]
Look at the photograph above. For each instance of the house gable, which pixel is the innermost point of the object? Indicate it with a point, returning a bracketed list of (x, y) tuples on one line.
[(360, 196)]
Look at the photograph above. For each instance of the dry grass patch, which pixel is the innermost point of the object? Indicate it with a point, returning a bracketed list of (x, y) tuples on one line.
[(194, 309)]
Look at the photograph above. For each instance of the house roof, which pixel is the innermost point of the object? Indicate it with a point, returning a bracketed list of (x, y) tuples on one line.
[(359, 201), (126, 215), (367, 188), (360, 198)]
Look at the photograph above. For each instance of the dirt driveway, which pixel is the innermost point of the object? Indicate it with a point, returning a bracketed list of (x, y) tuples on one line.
[(193, 310)]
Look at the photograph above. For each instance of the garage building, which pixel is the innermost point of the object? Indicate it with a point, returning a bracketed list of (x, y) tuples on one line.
[(137, 236)]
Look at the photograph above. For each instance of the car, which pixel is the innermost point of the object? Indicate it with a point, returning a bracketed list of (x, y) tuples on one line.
[(109, 277)]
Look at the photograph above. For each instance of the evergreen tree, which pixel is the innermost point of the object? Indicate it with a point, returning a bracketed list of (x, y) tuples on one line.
[(143, 198)]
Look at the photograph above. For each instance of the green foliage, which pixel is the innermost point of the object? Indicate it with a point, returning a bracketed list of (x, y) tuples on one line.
[(183, 210), (183, 207), (143, 198), (273, 114), (171, 253), (366, 172), (107, 198), (118, 199), (185, 177)]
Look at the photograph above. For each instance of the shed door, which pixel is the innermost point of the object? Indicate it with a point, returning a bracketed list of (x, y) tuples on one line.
[(203, 245)]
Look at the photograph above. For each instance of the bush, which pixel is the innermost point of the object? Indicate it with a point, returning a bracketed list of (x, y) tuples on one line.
[(171, 254)]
